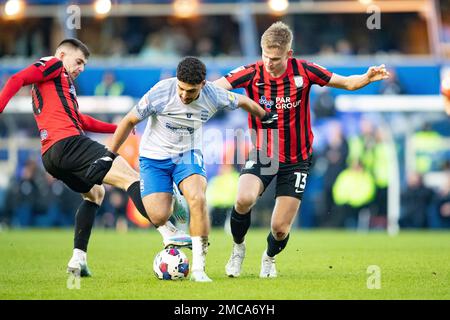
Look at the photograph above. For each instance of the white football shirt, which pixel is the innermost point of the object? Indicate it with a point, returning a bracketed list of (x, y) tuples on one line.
[(174, 127)]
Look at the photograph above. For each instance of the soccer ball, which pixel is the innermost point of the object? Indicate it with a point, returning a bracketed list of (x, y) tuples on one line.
[(171, 264)]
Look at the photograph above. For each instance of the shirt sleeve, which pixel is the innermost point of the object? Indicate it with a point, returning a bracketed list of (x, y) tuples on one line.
[(94, 125), (153, 102), (241, 77), (316, 73), (49, 67), (225, 99), (42, 70)]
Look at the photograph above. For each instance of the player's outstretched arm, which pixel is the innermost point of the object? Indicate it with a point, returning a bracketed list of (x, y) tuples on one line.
[(93, 125), (355, 82), (123, 130), (27, 76), (250, 106), (223, 83), (268, 119)]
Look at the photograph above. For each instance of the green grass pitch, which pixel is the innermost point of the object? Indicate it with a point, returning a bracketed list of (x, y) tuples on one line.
[(315, 265)]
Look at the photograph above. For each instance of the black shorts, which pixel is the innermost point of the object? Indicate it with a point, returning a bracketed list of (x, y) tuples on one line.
[(69, 159), (291, 177)]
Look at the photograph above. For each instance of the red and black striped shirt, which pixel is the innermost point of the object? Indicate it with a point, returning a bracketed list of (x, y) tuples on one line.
[(288, 95), (54, 102)]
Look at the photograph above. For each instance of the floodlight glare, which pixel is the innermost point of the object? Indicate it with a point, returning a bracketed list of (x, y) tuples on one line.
[(102, 7), (13, 7), (185, 8), (278, 5), (365, 2)]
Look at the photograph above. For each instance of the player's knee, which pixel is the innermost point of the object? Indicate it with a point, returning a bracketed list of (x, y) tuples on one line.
[(280, 232), (96, 194), (281, 235), (100, 194), (121, 175), (158, 219), (245, 202), (196, 200)]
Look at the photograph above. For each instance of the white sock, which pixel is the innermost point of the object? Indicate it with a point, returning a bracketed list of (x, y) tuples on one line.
[(199, 250), (167, 230)]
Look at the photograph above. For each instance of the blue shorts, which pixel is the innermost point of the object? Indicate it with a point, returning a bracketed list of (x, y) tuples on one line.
[(159, 175)]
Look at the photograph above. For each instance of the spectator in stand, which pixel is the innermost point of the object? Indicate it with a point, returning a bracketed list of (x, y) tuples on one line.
[(426, 142), (415, 200), (64, 201), (109, 86), (113, 213), (158, 48), (441, 215), (27, 197), (221, 192), (353, 191), (204, 47), (335, 153), (381, 170), (324, 106), (391, 85), (344, 47)]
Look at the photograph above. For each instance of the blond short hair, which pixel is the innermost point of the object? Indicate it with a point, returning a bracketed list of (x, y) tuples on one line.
[(278, 35)]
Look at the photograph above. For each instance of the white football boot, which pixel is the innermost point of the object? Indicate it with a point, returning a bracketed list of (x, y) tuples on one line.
[(174, 237), (199, 276), (234, 265), (78, 264), (268, 269)]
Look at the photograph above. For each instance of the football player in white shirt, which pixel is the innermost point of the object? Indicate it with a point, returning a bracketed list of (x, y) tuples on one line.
[(171, 151)]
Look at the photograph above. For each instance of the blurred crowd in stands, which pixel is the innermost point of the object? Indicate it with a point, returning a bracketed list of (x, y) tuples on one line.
[(153, 39)]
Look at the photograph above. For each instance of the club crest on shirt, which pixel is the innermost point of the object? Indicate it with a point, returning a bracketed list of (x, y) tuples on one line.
[(72, 90), (266, 103), (43, 134), (298, 81)]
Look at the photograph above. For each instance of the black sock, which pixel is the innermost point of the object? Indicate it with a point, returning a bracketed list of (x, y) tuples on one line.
[(239, 225), (134, 192), (274, 246), (84, 220)]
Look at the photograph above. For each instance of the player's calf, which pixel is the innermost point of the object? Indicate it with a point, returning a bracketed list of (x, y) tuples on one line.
[(275, 246)]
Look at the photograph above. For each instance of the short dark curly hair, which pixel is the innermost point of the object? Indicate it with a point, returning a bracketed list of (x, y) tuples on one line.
[(191, 70)]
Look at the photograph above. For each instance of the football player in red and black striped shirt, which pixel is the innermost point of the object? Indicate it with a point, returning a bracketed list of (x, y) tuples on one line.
[(282, 84), (67, 152)]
